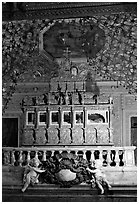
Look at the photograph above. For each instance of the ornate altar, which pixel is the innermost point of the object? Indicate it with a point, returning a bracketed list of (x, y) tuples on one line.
[(67, 115)]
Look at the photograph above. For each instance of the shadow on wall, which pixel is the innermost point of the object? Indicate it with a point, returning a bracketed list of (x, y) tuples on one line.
[(91, 86)]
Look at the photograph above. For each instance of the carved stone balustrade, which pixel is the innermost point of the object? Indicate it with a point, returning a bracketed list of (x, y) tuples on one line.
[(110, 156)]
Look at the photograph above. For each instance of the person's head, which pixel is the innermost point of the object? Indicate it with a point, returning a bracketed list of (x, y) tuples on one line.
[(34, 162), (98, 163)]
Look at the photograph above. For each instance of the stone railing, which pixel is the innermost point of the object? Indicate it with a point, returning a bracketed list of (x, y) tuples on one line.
[(110, 156)]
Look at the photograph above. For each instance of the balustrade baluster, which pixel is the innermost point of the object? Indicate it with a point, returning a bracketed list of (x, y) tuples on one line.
[(124, 158), (117, 157), (76, 153), (28, 157), (52, 153), (36, 154), (60, 152), (101, 155), (108, 157), (13, 157), (84, 154), (6, 157), (44, 156), (20, 158), (92, 155)]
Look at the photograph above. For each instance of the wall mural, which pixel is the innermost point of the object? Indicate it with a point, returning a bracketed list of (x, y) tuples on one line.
[(114, 59)]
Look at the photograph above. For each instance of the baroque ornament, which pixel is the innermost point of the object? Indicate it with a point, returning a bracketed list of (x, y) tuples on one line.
[(114, 57)]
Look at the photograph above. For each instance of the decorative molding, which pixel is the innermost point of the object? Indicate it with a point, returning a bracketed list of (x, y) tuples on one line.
[(30, 10)]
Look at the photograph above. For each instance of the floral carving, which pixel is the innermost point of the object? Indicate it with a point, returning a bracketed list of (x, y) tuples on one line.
[(114, 59)]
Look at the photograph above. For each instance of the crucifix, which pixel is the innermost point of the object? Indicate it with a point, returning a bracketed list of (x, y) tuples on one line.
[(66, 53), (67, 62)]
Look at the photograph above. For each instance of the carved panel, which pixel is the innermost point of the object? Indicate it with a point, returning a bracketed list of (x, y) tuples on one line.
[(28, 138), (88, 98), (102, 135), (65, 136), (40, 137), (77, 136), (53, 86), (130, 102), (103, 98), (79, 86), (53, 136), (75, 98), (70, 86), (90, 135)]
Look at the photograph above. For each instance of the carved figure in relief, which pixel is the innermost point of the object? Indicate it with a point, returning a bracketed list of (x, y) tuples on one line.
[(70, 98), (95, 98), (31, 173), (59, 96), (45, 99), (34, 101), (66, 98), (79, 97), (111, 100), (100, 177)]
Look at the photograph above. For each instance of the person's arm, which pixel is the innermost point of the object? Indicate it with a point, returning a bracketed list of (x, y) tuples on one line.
[(91, 170), (38, 170)]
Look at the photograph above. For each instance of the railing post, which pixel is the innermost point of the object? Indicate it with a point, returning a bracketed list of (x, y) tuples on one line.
[(124, 158), (28, 157), (92, 155), (108, 157), (117, 160), (6, 158), (36, 154), (12, 157), (44, 156), (20, 158), (84, 154), (101, 156), (76, 153), (52, 151), (129, 156)]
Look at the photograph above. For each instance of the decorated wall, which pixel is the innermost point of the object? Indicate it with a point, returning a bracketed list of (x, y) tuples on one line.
[(117, 54), (30, 53)]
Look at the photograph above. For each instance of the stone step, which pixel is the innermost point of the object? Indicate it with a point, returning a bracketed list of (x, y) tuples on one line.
[(68, 198), (79, 193)]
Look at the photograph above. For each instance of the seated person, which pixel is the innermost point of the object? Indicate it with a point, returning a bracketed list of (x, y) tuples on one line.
[(100, 177), (31, 173)]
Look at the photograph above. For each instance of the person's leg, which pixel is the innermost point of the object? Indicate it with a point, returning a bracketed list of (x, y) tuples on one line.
[(100, 186), (107, 183), (26, 183)]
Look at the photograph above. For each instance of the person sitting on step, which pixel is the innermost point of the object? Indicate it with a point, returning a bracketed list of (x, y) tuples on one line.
[(31, 173), (100, 177)]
